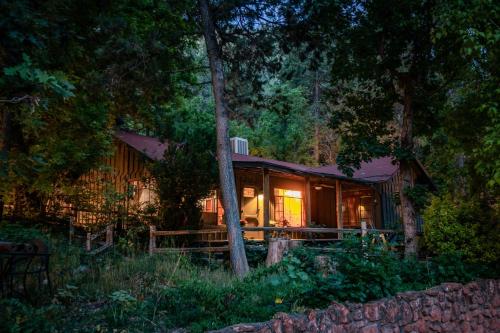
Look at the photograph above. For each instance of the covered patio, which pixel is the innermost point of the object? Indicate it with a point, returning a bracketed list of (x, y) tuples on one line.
[(274, 195)]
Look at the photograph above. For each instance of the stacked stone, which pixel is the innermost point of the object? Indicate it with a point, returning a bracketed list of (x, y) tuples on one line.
[(450, 307)]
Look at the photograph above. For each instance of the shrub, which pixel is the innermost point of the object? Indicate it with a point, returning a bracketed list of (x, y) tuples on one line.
[(158, 293), (466, 226), (16, 316), (362, 271), (19, 233)]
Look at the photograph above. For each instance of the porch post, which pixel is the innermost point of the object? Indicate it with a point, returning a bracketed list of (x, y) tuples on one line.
[(266, 199), (338, 200), (308, 201)]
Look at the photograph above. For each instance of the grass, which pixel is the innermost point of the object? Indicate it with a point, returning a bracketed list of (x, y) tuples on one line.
[(126, 290), (109, 291)]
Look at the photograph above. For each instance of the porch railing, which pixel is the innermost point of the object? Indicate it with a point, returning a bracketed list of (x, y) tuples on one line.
[(216, 239), (108, 240)]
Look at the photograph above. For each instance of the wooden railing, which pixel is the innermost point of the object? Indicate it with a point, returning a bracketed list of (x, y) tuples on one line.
[(219, 236), (108, 232), (209, 236)]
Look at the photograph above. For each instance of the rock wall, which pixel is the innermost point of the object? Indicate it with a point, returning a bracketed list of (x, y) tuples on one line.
[(450, 307)]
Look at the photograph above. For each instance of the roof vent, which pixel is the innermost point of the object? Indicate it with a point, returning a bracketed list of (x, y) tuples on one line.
[(239, 146)]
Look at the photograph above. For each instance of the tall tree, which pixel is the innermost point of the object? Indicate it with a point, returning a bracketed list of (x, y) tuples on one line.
[(226, 175), (389, 76), (390, 47), (69, 69)]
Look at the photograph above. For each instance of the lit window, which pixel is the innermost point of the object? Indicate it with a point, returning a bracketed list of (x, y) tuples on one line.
[(357, 208), (248, 192), (209, 204), (288, 207)]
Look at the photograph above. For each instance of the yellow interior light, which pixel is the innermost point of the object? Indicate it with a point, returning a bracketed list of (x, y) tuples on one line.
[(292, 194)]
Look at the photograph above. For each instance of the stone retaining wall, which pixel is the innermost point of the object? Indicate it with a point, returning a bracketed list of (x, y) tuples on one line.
[(450, 307)]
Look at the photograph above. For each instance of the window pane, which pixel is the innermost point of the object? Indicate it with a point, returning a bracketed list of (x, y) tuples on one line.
[(288, 207)]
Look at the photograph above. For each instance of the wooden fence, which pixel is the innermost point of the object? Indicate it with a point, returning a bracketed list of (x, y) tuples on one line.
[(208, 236), (219, 236), (107, 232)]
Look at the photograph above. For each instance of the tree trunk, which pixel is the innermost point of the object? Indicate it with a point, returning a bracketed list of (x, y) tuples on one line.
[(316, 103), (406, 172), (227, 184), (7, 138), (276, 249)]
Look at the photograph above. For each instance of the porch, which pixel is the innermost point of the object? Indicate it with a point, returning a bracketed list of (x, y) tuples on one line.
[(296, 203), (215, 240)]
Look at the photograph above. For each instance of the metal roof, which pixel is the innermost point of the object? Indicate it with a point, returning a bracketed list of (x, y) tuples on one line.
[(153, 148), (377, 170)]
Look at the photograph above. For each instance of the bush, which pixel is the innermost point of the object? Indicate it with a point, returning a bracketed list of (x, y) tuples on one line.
[(19, 233), (357, 271), (157, 293), (16, 316), (469, 227)]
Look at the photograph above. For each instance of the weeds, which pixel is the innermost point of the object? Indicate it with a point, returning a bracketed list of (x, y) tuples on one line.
[(128, 291)]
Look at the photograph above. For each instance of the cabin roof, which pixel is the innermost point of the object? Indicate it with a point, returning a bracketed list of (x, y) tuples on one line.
[(152, 147), (375, 171)]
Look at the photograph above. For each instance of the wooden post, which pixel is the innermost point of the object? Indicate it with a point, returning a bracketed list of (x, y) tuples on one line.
[(276, 249), (338, 199), (71, 228), (109, 235), (363, 234), (266, 199), (363, 229), (308, 201), (152, 239), (88, 245)]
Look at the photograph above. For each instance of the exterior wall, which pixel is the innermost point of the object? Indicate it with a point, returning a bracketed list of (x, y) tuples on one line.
[(122, 186), (391, 209), (323, 199), (450, 307), (324, 207)]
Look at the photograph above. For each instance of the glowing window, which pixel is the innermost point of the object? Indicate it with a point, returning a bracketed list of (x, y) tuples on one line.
[(288, 207), (248, 192), (287, 193), (209, 204)]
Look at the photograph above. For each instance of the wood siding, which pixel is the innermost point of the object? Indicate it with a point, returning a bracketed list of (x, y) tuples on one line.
[(391, 208), (115, 189)]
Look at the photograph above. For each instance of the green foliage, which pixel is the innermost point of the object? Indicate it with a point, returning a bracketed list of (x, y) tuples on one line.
[(356, 271), (366, 272), (466, 226), (419, 195), (27, 73), (122, 305), (17, 317), (188, 171), (360, 271), (139, 292), (68, 70), (280, 129), (19, 233)]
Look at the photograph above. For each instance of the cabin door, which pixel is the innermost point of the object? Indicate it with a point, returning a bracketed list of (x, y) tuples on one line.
[(250, 207), (250, 212)]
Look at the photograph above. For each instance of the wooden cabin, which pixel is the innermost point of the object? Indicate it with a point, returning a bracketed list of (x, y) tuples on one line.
[(283, 194), (270, 192), (123, 185)]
